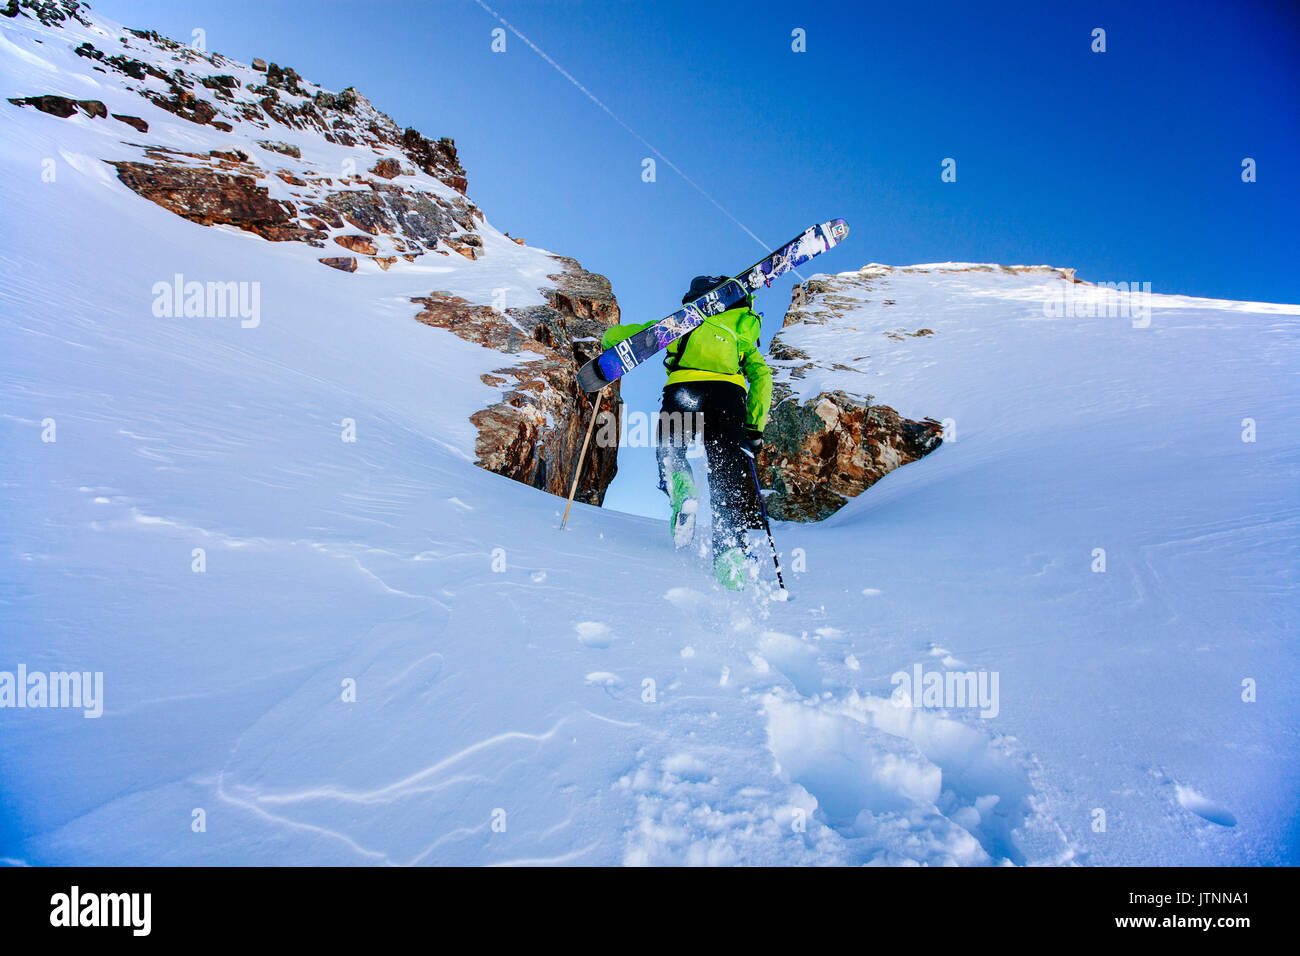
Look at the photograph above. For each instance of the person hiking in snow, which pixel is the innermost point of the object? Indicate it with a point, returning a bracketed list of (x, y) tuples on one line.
[(719, 384)]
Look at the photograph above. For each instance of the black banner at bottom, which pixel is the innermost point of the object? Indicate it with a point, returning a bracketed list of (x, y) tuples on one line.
[(334, 906)]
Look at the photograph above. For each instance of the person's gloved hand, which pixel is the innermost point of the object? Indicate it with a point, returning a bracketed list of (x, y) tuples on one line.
[(754, 438)]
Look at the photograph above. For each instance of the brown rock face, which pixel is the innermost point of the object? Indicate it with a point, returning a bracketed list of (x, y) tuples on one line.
[(820, 453), (361, 244), (467, 246), (222, 187), (342, 263), (59, 106), (391, 201), (134, 121), (587, 295), (187, 106), (207, 197), (438, 159), (387, 168), (821, 450), (534, 433), (385, 209), (62, 106)]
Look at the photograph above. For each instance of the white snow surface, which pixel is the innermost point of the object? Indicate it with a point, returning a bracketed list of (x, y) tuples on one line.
[(597, 700)]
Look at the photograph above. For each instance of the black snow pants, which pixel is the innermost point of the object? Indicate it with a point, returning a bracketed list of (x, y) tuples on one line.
[(718, 410)]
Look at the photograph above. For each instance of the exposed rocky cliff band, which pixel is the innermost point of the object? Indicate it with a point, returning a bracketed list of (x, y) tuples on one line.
[(534, 433), (293, 162), (825, 446)]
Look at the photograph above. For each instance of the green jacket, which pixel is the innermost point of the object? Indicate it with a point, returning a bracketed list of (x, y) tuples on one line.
[(724, 348)]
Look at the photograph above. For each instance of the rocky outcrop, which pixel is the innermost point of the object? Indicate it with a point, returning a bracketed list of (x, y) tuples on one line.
[(824, 447), (820, 452), (50, 13), (361, 244), (62, 106), (206, 89), (387, 168), (534, 432), (284, 149), (291, 162), (205, 195), (190, 107), (414, 222), (437, 159), (132, 121)]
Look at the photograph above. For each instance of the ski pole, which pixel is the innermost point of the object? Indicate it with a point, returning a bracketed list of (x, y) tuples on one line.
[(582, 456), (767, 525)]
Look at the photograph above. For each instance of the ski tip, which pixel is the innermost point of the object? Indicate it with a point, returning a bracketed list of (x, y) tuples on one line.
[(589, 378)]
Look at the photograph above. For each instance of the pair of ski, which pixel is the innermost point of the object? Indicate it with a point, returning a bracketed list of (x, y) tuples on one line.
[(614, 363)]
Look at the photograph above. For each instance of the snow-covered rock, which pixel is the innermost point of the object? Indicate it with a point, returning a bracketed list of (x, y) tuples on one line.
[(823, 447), (266, 151), (830, 437)]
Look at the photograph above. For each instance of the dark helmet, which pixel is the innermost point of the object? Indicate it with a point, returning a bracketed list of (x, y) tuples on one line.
[(701, 285)]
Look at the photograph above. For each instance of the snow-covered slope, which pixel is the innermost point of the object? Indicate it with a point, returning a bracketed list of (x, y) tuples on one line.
[(529, 695)]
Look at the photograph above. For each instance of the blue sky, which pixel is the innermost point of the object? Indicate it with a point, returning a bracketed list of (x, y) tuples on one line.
[(1125, 165)]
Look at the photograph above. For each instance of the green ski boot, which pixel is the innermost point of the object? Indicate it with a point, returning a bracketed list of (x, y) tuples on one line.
[(729, 569), (685, 504)]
